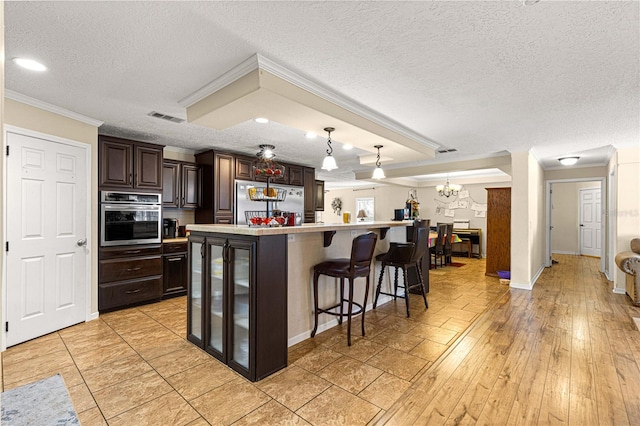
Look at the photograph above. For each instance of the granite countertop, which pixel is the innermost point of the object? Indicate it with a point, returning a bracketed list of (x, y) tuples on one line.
[(305, 228)]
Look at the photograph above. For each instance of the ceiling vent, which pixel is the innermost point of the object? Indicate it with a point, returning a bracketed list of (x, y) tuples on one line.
[(446, 150), (165, 117)]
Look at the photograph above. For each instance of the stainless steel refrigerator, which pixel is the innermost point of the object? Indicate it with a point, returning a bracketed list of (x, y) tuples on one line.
[(293, 202)]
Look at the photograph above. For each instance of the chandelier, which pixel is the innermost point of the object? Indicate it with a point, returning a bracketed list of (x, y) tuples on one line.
[(448, 189)]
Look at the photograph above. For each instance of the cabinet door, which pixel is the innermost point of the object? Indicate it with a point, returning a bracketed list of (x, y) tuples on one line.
[(244, 168), (115, 164), (223, 170), (170, 184), (240, 285), (296, 175), (195, 297), (148, 167), (174, 274), (191, 186), (309, 195), (319, 195), (216, 321)]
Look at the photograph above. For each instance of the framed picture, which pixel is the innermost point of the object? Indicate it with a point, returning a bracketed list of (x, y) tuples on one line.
[(365, 208)]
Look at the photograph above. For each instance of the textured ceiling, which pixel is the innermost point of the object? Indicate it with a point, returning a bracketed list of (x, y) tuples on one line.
[(483, 77)]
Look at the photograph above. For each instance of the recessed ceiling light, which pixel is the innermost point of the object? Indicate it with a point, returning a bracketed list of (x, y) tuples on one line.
[(530, 2), (261, 120), (568, 161), (311, 135), (347, 146), (29, 64)]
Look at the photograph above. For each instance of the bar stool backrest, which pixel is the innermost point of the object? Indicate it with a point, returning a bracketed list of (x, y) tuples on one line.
[(362, 251), (442, 230), (448, 239), (417, 224), (421, 245)]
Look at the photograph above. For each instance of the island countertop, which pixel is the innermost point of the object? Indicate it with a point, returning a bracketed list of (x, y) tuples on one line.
[(302, 229)]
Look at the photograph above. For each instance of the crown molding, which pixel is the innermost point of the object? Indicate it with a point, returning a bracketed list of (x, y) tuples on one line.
[(259, 62), (19, 97)]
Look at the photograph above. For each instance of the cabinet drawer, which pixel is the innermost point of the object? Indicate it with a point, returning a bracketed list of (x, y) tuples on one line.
[(114, 252), (114, 295), (128, 269), (168, 248)]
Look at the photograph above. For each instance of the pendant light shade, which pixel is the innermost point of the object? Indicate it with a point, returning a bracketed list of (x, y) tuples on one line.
[(378, 173), (329, 163)]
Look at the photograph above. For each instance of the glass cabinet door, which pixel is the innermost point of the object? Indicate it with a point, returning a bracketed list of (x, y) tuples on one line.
[(217, 298), (195, 306), (240, 285)]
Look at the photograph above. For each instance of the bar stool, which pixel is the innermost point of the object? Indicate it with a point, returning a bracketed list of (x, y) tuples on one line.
[(403, 256), (358, 266)]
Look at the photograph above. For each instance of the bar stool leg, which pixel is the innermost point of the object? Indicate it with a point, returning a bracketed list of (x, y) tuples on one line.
[(349, 311), (395, 285), (375, 300), (315, 303), (424, 291), (406, 288), (364, 304), (341, 300)]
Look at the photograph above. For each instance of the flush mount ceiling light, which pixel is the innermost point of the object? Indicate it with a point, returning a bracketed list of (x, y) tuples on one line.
[(378, 173), (568, 161), (266, 151), (29, 64), (347, 146), (448, 189), (329, 163), (311, 135), (261, 120)]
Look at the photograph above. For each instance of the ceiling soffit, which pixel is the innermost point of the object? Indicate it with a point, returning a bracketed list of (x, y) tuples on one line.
[(258, 87)]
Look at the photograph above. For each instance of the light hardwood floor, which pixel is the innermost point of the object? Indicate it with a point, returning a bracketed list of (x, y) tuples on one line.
[(567, 352)]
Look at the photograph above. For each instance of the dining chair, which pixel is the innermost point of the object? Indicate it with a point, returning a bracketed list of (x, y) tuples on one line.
[(437, 250)]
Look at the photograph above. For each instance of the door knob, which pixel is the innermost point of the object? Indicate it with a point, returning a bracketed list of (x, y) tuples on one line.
[(82, 242)]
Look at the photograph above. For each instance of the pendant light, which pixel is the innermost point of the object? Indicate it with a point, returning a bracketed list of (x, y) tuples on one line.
[(329, 163), (378, 173)]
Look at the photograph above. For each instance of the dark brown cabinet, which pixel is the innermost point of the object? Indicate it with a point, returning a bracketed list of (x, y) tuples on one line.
[(309, 195), (319, 195), (235, 311), (296, 175), (129, 275), (244, 168), (174, 269), (218, 172), (181, 185), (125, 164)]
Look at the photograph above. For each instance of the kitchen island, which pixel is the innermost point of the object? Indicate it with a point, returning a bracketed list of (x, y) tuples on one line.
[(259, 282)]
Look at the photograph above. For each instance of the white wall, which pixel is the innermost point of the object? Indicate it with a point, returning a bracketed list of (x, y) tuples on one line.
[(565, 212)]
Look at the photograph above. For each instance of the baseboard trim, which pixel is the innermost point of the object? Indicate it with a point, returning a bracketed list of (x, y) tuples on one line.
[(93, 316), (619, 290), (519, 286), (565, 252)]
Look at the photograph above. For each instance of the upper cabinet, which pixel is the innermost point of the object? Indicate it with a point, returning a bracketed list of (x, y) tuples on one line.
[(309, 195), (296, 175), (244, 167), (125, 164), (181, 185), (319, 195)]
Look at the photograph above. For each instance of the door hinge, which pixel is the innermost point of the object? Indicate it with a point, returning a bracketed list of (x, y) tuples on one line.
[(7, 150), (6, 246), (6, 326)]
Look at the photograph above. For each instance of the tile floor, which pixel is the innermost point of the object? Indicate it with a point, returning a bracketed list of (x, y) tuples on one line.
[(134, 366)]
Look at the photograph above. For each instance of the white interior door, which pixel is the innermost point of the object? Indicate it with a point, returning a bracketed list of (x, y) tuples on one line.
[(46, 226), (590, 222)]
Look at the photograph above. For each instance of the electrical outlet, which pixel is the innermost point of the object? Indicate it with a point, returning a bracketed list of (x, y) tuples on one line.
[(354, 232), (291, 237)]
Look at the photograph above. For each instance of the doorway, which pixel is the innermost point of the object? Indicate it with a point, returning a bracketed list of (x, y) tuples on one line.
[(47, 199), (565, 214)]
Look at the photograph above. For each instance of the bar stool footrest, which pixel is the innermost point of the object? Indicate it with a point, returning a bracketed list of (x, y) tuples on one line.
[(345, 309)]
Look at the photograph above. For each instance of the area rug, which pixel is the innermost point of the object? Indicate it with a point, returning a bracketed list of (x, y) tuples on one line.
[(456, 264), (45, 402)]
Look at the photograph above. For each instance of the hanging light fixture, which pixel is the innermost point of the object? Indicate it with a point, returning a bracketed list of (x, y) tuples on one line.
[(329, 163), (448, 189), (378, 173)]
